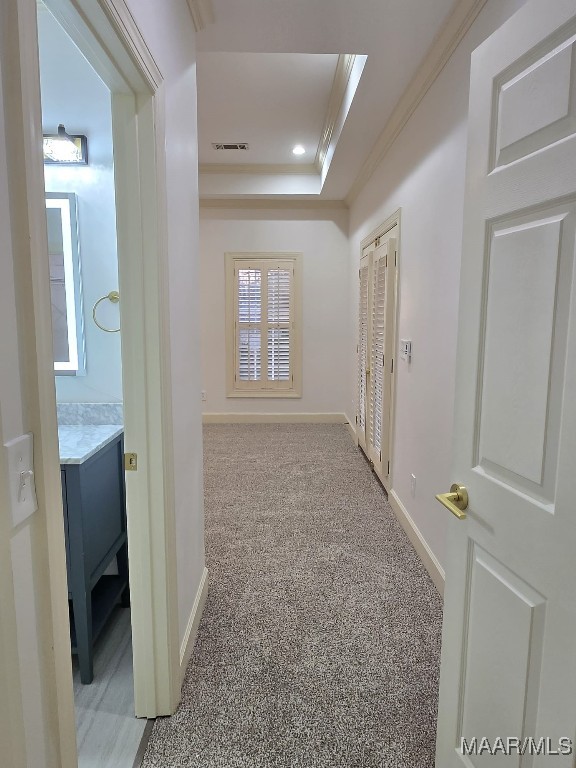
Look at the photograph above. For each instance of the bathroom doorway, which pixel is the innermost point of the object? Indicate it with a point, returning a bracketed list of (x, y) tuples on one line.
[(103, 225), (83, 263)]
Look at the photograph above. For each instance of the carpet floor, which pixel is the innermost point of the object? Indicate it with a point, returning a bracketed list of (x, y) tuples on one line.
[(319, 646)]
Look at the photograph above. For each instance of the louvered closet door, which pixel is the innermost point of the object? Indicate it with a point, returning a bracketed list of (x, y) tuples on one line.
[(376, 409), (363, 351), (377, 310), (384, 318)]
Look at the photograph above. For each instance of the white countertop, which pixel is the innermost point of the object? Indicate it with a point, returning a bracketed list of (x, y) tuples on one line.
[(78, 442)]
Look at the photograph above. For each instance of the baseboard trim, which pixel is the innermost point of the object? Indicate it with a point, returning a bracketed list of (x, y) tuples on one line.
[(435, 570), (274, 418), (352, 430), (193, 622)]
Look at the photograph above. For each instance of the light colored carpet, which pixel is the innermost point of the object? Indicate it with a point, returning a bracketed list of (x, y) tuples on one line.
[(320, 641)]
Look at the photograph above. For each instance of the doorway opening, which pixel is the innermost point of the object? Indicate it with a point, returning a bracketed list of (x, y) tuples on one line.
[(106, 90), (83, 261)]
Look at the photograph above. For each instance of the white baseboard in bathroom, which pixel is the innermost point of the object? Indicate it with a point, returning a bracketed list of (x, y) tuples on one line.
[(428, 558), (274, 418), (193, 622)]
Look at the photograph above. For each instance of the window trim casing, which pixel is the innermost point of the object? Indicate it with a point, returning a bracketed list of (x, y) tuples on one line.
[(232, 259)]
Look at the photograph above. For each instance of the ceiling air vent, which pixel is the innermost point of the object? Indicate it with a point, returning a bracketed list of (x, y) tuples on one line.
[(237, 145)]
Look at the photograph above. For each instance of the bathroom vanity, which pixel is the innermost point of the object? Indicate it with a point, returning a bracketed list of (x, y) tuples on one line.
[(93, 494)]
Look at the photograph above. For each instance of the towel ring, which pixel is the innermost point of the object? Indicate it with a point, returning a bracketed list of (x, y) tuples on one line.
[(114, 297)]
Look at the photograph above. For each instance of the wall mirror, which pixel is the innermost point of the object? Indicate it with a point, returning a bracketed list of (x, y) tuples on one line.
[(65, 284)]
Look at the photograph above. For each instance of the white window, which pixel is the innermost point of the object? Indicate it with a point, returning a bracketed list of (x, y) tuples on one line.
[(263, 324)]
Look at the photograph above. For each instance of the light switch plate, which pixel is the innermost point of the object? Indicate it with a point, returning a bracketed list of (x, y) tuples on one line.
[(21, 478), (406, 350)]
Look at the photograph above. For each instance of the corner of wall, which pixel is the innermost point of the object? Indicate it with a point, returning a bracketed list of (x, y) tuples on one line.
[(191, 631)]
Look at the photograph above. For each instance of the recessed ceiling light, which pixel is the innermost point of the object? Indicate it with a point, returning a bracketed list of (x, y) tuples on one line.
[(298, 150)]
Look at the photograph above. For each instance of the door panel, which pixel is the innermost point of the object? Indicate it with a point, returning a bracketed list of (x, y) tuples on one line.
[(378, 334), (508, 670), (531, 115), (377, 314), (523, 318), (505, 630), (382, 352), (389, 356), (363, 350)]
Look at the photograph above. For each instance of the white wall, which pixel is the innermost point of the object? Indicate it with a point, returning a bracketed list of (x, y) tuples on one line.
[(169, 34), (322, 238), (423, 174), (73, 94)]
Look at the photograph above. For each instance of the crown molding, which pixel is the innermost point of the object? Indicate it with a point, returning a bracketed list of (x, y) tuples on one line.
[(202, 13), (257, 168), (269, 204), (337, 93), (446, 42)]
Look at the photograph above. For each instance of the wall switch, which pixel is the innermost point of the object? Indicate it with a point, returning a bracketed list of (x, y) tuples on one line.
[(413, 485), (203, 394), (406, 350), (21, 478)]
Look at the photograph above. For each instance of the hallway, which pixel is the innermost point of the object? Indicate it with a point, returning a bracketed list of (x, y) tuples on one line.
[(319, 644)]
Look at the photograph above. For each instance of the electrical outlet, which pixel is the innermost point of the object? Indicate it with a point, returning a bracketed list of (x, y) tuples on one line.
[(203, 394), (413, 485)]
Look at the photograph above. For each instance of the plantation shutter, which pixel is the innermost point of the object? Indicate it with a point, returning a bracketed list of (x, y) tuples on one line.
[(249, 352), (279, 321), (264, 324)]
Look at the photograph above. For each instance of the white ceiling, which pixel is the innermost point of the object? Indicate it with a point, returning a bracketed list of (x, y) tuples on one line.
[(271, 101), (253, 88)]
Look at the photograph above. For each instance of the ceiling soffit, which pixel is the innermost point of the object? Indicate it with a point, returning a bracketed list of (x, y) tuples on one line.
[(453, 29), (344, 68)]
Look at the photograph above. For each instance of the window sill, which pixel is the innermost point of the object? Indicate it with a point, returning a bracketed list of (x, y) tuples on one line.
[(278, 395)]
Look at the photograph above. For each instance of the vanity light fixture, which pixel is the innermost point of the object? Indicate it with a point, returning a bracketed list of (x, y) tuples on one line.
[(298, 150), (64, 148)]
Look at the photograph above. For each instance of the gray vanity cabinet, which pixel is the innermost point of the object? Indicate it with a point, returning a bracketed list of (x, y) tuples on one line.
[(95, 527)]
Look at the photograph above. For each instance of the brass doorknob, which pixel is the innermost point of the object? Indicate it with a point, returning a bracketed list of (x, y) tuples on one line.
[(456, 501)]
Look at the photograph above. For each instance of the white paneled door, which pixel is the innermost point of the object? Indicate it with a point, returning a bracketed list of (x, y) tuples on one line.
[(508, 680), (377, 311)]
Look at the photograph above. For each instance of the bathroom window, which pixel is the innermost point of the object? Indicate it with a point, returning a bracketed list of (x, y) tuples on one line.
[(263, 305), (65, 284)]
